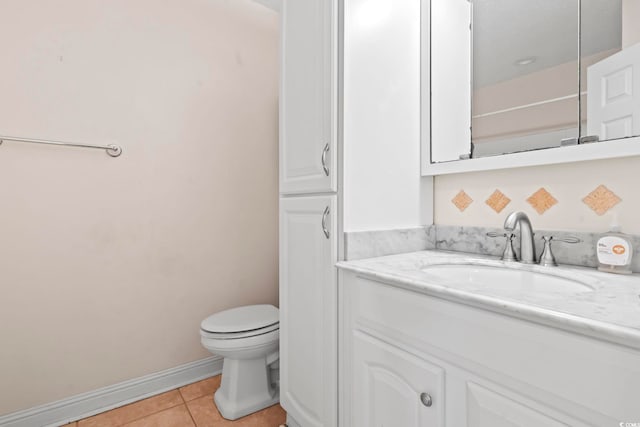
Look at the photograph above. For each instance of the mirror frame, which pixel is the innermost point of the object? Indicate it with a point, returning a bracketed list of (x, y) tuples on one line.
[(625, 147)]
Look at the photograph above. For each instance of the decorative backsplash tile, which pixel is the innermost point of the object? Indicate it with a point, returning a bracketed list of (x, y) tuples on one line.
[(541, 201), (498, 201), (462, 200), (601, 200)]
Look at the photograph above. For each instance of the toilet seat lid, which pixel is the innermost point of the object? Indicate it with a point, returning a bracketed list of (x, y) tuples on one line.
[(242, 319)]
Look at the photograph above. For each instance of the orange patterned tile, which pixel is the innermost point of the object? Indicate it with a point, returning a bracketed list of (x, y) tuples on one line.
[(462, 200), (170, 410), (498, 201), (201, 388), (177, 416), (273, 416), (204, 412), (541, 201), (134, 411), (601, 200)]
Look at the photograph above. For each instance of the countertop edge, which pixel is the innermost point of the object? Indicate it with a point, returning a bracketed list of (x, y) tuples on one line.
[(604, 331)]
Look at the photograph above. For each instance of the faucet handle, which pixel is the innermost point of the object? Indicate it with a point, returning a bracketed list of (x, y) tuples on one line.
[(568, 239), (509, 254), (547, 259), (495, 234)]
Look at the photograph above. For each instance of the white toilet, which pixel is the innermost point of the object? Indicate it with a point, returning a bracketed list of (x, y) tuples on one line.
[(247, 338)]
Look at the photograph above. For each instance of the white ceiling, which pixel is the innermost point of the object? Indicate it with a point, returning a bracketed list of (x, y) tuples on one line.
[(505, 31)]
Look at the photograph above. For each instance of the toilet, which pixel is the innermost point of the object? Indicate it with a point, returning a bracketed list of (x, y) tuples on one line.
[(247, 337)]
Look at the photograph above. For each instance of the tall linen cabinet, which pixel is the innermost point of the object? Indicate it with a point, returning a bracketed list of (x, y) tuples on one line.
[(309, 212)]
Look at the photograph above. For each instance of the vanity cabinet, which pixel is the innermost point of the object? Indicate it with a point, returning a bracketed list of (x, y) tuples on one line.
[(480, 368), (308, 96)]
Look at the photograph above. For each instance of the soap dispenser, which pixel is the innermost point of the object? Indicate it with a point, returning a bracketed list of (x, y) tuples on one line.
[(614, 250)]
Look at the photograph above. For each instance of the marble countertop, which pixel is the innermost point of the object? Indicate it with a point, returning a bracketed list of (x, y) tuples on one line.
[(608, 308)]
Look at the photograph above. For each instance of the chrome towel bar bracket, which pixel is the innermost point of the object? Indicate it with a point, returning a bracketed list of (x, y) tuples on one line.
[(112, 150)]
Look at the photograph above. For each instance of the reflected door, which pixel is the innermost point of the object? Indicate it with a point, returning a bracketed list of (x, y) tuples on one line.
[(614, 97)]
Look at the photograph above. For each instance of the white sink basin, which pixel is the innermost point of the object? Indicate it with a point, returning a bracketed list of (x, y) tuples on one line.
[(505, 279)]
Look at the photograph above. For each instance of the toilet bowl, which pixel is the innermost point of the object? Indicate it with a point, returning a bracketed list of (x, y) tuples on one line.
[(247, 337)]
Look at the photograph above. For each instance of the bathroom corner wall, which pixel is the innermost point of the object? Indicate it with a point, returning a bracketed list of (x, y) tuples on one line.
[(562, 206), (109, 265)]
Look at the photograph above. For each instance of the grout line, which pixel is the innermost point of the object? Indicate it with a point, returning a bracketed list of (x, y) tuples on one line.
[(201, 395), (191, 415), (151, 414), (183, 402), (162, 410), (140, 401), (154, 413), (180, 394)]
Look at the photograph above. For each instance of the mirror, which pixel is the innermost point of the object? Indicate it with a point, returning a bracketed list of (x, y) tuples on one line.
[(525, 74), (521, 75)]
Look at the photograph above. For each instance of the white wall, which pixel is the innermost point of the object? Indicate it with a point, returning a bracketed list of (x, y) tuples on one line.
[(109, 265), (382, 184)]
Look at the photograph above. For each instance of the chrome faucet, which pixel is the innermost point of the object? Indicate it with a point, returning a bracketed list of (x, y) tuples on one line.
[(527, 245)]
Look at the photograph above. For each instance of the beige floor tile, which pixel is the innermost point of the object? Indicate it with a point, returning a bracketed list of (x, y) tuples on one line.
[(201, 388), (134, 411), (205, 414), (177, 416), (273, 416)]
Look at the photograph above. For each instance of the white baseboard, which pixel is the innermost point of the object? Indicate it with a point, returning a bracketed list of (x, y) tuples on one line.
[(106, 398)]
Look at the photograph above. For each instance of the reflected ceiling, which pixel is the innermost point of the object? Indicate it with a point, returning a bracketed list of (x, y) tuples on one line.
[(508, 31)]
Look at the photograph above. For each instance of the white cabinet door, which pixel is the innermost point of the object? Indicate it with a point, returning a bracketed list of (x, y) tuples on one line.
[(487, 408), (308, 310), (307, 99), (392, 387)]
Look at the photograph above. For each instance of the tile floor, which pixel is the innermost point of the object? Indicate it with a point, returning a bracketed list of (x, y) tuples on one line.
[(188, 406)]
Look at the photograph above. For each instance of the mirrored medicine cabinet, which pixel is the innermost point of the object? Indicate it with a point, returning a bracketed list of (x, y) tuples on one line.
[(521, 82)]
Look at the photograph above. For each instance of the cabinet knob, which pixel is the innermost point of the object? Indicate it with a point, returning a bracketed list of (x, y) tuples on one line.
[(426, 399)]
